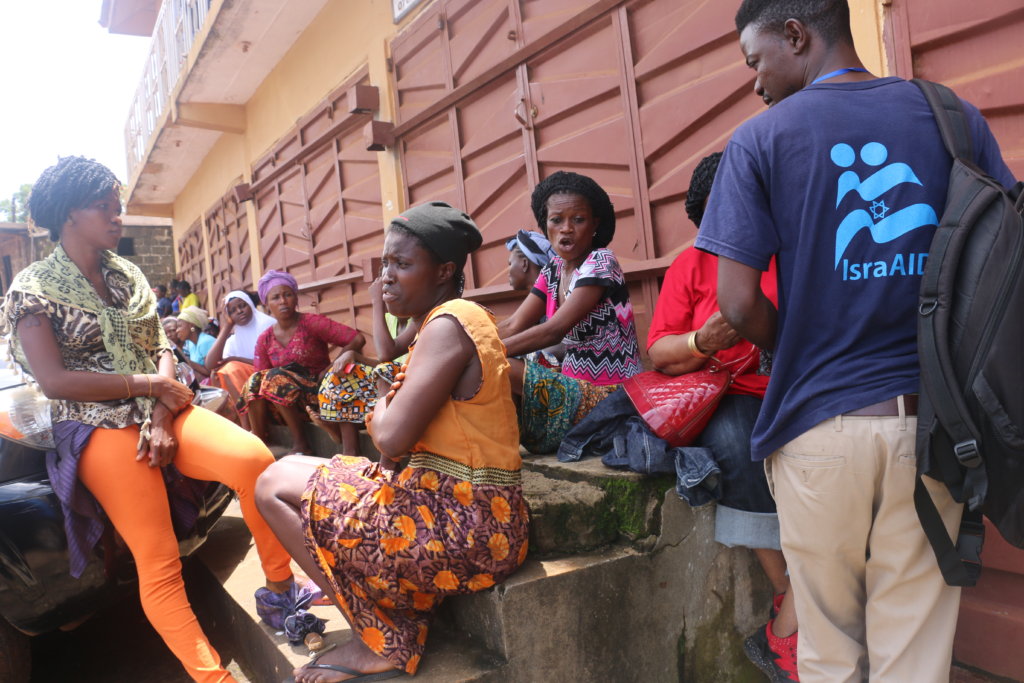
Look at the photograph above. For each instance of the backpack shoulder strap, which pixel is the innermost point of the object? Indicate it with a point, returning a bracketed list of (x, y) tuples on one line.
[(949, 115), (960, 563)]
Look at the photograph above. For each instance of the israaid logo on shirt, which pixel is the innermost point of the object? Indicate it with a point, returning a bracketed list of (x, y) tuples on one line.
[(885, 223)]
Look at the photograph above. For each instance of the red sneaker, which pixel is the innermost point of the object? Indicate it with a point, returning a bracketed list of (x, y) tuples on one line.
[(774, 656), (776, 605)]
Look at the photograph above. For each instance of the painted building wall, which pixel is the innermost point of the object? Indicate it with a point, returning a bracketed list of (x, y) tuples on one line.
[(346, 37)]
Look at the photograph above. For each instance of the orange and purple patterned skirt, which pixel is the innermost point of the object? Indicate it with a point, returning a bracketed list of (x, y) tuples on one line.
[(393, 546)]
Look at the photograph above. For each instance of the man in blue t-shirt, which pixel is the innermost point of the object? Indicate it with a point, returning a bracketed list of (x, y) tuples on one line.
[(843, 180)]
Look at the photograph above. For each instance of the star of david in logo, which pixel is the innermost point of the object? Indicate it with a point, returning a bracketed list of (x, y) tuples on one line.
[(879, 209), (883, 222)]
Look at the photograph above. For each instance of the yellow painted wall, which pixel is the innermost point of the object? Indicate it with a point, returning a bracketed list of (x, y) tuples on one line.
[(866, 24)]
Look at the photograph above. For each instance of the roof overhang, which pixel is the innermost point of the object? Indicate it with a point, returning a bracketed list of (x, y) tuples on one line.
[(129, 17), (236, 49)]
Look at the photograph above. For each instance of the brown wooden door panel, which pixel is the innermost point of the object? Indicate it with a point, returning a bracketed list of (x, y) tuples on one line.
[(227, 238), (284, 235), (428, 156), (693, 89), (323, 206), (192, 261), (336, 303), (495, 184), (361, 196), (220, 253), (480, 34), (238, 237), (541, 16), (268, 221), (582, 122), (975, 48), (421, 70)]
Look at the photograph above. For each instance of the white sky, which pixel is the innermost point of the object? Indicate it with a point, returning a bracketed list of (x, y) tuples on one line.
[(65, 87)]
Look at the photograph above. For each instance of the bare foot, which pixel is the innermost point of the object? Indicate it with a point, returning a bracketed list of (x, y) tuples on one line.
[(301, 448), (314, 417), (353, 655), (330, 427)]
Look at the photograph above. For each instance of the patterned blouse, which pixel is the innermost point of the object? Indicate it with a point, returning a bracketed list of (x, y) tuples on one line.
[(81, 347), (602, 348), (308, 346)]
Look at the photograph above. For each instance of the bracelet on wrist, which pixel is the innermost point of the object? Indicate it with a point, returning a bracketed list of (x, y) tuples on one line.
[(691, 341)]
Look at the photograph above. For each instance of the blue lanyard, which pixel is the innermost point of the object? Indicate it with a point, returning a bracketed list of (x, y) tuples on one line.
[(838, 72)]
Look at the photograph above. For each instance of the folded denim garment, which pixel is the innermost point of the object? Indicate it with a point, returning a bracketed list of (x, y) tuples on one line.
[(614, 432)]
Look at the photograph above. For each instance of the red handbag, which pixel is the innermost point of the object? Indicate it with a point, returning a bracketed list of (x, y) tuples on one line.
[(677, 408)]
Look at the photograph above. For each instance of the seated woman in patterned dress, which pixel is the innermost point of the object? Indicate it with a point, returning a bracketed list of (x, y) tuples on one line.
[(347, 396), (289, 359), (388, 542), (582, 291)]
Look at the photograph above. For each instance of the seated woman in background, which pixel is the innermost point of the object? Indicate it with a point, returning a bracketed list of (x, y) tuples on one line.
[(186, 297), (83, 323), (289, 357), (388, 545), (582, 291), (686, 330), (528, 253), (348, 395), (230, 359), (194, 342)]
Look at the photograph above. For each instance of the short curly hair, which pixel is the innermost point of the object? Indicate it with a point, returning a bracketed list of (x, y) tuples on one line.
[(830, 18), (72, 183), (700, 186), (567, 182)]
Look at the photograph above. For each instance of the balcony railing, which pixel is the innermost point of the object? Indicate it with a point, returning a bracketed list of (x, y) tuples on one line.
[(176, 27)]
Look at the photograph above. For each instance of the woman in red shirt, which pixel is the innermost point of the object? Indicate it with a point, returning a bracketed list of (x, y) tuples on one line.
[(687, 329), (291, 356)]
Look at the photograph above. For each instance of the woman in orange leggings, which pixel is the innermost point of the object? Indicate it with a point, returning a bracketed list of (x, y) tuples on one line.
[(83, 323), (134, 498)]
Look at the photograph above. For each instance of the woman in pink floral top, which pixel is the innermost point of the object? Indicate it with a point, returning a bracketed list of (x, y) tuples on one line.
[(289, 359)]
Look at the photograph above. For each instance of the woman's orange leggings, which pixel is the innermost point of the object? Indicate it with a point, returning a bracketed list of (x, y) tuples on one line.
[(134, 497)]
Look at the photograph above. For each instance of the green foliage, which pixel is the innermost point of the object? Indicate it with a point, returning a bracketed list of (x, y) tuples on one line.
[(15, 209)]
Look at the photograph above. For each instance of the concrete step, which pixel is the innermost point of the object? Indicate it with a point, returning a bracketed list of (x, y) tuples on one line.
[(582, 506), (623, 582)]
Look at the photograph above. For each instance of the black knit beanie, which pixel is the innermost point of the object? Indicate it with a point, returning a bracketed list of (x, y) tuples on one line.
[(448, 232)]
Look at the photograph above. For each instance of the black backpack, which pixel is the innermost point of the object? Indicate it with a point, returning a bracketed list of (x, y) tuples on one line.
[(971, 345)]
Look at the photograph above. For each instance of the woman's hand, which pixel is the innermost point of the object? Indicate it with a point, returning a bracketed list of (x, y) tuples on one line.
[(377, 291), (170, 393), (344, 358), (395, 386), (716, 334), (227, 324), (162, 444)]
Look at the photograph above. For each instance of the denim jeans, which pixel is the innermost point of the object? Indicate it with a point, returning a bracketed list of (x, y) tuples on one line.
[(614, 432), (716, 468), (746, 510)]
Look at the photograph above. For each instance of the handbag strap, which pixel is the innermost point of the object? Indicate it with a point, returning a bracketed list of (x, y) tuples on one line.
[(737, 367)]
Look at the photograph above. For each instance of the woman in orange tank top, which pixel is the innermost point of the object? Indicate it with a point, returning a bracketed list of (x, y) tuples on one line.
[(442, 513)]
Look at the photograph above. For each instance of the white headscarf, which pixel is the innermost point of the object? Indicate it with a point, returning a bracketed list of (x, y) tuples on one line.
[(245, 336)]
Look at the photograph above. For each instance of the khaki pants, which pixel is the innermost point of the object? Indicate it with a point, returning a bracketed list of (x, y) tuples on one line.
[(870, 599)]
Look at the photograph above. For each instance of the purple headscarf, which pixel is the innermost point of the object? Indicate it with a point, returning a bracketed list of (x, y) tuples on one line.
[(273, 278)]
